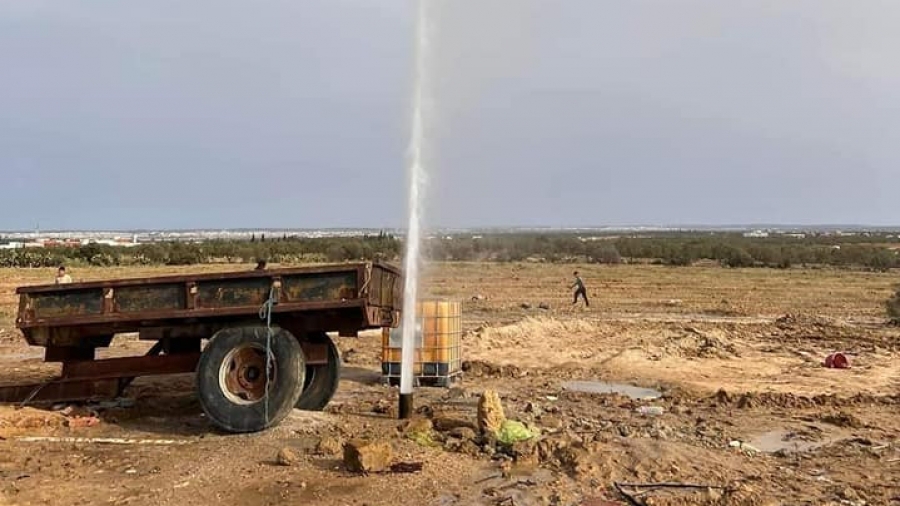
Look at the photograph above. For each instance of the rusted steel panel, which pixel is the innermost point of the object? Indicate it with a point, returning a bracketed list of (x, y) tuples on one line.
[(315, 353), (125, 367), (134, 299), (319, 287), (69, 303), (229, 293), (116, 283), (68, 353), (330, 298)]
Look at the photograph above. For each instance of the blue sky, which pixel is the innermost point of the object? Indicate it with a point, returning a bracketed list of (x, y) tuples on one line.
[(572, 113)]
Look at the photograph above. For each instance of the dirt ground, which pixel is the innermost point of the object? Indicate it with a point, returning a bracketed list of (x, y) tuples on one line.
[(750, 416)]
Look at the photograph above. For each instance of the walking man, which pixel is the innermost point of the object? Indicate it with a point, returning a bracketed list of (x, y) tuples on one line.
[(580, 290)]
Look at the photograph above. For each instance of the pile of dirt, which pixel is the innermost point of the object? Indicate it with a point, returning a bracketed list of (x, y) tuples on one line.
[(482, 369), (751, 400), (693, 343), (13, 421)]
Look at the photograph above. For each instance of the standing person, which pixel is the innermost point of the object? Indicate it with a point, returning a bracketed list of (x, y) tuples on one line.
[(261, 264), (578, 285), (61, 277)]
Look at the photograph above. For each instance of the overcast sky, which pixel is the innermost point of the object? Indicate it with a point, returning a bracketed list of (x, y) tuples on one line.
[(222, 114)]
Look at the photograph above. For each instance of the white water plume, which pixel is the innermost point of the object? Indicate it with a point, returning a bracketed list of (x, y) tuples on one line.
[(416, 184)]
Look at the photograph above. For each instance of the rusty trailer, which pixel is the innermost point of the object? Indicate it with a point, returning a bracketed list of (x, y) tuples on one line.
[(266, 333)]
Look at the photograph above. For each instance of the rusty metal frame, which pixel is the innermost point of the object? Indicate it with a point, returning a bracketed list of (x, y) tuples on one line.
[(72, 340)]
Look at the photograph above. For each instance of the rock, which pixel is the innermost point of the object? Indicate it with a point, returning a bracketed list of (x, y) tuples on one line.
[(471, 449), (362, 456), (417, 425), (545, 306), (445, 424), (551, 422), (329, 446), (843, 419), (478, 297), (77, 422), (384, 407), (287, 457), (525, 452), (525, 305), (464, 433), (848, 494), (490, 412)]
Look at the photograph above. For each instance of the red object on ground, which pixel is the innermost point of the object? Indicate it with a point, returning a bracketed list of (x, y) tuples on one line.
[(837, 361)]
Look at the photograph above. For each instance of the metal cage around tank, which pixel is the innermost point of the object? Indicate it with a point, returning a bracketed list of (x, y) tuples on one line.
[(438, 344)]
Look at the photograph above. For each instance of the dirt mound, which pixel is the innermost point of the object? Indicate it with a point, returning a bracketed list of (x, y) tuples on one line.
[(693, 343), (533, 329), (482, 369), (751, 400), (16, 420)]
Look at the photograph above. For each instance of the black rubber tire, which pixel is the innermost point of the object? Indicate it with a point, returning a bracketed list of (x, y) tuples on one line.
[(321, 380), (250, 416)]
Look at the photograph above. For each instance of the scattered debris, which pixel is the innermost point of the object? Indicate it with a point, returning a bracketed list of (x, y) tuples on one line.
[(464, 433), (329, 446), (650, 410), (837, 360), (744, 447), (362, 456), (287, 457), (77, 422), (406, 467)]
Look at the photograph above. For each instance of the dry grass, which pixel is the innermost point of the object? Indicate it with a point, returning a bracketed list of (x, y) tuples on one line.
[(625, 289), (641, 289)]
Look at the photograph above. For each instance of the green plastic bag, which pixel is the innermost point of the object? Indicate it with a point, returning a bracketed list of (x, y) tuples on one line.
[(512, 432)]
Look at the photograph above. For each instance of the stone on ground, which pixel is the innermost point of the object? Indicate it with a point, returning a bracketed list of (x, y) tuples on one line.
[(329, 446), (288, 457), (490, 413), (362, 456)]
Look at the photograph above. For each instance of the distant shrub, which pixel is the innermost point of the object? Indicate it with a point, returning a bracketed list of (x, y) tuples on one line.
[(893, 307)]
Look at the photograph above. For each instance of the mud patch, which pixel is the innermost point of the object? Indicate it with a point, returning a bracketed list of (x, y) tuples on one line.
[(602, 387)]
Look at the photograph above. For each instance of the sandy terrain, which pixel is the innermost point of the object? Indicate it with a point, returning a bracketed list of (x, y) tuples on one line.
[(736, 355)]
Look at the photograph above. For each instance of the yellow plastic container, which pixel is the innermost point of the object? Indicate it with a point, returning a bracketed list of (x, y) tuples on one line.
[(438, 336)]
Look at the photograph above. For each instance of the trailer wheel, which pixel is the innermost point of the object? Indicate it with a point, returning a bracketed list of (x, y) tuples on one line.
[(321, 380), (238, 390)]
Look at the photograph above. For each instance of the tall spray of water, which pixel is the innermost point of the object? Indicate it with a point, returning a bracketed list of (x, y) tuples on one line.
[(413, 235)]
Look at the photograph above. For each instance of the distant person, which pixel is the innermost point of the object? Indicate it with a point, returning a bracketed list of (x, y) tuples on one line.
[(261, 265), (578, 285), (61, 277)]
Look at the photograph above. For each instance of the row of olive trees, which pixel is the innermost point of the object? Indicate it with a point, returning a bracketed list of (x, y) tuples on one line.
[(731, 250)]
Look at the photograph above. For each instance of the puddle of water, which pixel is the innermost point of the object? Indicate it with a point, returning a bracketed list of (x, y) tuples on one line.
[(603, 387), (783, 440)]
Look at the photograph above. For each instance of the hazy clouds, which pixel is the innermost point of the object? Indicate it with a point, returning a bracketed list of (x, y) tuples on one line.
[(574, 112)]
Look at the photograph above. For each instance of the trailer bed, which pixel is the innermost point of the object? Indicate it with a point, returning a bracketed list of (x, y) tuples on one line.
[(356, 296), (253, 322)]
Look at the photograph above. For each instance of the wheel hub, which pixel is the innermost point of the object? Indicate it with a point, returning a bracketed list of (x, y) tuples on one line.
[(242, 375)]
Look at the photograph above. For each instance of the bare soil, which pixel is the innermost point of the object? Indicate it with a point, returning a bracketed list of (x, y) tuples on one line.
[(751, 415)]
